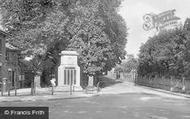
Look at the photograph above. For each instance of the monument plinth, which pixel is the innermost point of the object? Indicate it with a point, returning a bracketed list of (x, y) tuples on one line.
[(37, 79), (91, 81), (69, 71)]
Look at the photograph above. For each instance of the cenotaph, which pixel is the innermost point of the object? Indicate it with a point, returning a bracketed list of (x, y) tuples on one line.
[(69, 71)]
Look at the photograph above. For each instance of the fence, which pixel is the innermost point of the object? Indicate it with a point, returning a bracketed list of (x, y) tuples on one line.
[(172, 84)]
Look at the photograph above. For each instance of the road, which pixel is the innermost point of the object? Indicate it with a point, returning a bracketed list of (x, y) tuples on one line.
[(114, 106)]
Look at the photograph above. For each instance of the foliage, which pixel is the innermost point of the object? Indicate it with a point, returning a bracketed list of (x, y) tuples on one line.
[(35, 26), (46, 27), (99, 49), (127, 65), (130, 65), (89, 39), (166, 54)]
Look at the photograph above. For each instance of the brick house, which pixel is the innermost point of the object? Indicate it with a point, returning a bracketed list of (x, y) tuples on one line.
[(3, 68), (12, 61), (9, 62)]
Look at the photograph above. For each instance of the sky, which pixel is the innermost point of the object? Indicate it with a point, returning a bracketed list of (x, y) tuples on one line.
[(133, 11)]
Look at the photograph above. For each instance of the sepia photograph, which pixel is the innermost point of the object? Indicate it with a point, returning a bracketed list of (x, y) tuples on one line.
[(94, 59)]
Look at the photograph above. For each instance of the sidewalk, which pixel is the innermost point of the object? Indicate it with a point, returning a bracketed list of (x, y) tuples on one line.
[(119, 88), (165, 91), (128, 87), (42, 94)]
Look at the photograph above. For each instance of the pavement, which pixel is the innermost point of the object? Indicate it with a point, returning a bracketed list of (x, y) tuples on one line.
[(167, 92), (119, 88), (130, 87), (43, 94)]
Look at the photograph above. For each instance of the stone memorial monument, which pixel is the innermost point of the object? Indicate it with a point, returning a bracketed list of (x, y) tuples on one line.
[(69, 71)]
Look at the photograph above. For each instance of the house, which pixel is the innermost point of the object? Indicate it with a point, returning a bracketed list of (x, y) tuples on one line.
[(13, 67), (9, 63), (3, 70)]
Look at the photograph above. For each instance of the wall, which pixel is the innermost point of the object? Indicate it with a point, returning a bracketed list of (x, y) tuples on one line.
[(173, 84), (12, 63), (3, 69)]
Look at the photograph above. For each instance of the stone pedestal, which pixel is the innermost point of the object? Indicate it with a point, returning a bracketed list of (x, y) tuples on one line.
[(69, 71), (91, 81), (37, 81)]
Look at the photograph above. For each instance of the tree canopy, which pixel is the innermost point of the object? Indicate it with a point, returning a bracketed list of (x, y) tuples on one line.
[(131, 63), (166, 54), (46, 27)]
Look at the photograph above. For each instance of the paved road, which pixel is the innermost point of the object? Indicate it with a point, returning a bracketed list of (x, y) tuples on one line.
[(112, 106)]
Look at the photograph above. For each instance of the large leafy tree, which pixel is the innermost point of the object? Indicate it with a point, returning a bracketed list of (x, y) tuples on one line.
[(166, 54), (42, 28), (90, 39), (36, 26)]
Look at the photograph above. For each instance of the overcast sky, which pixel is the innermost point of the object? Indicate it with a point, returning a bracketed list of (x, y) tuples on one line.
[(134, 10)]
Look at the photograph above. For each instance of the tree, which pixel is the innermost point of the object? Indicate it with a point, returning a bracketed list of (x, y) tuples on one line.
[(165, 54), (89, 39), (93, 28), (130, 64), (187, 24), (127, 65), (35, 26), (99, 52)]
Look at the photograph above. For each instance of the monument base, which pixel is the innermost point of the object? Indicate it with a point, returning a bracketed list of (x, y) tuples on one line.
[(78, 88), (37, 81), (68, 88)]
